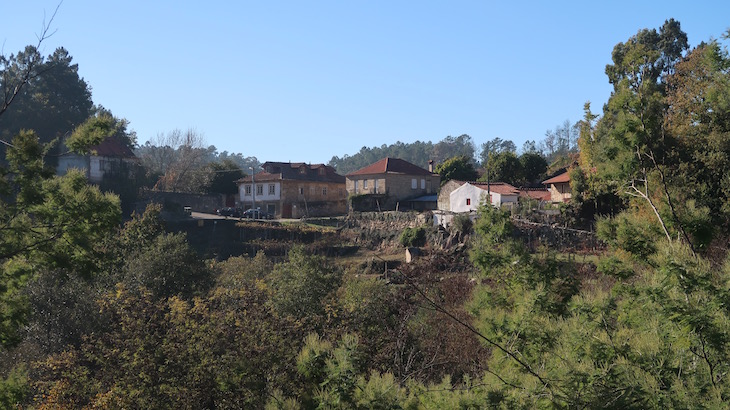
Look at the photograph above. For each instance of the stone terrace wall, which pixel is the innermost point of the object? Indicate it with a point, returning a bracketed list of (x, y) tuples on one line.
[(173, 200), (557, 237), (390, 220), (379, 230)]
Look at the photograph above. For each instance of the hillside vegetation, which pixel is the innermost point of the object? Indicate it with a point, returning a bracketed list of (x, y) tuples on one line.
[(96, 313)]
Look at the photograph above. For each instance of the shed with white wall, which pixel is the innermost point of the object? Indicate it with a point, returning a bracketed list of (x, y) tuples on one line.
[(470, 195)]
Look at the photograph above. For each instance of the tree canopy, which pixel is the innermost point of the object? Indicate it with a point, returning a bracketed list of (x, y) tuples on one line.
[(181, 161), (53, 102), (418, 153), (49, 223), (460, 168), (99, 314), (652, 147)]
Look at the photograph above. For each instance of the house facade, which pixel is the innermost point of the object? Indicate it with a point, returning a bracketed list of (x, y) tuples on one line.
[(109, 157), (294, 190), (444, 196), (390, 184), (469, 196), (559, 187)]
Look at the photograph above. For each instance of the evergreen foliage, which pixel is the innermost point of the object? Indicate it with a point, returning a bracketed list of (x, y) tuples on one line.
[(413, 237), (418, 153), (301, 285), (51, 223), (98, 315), (460, 168), (53, 103)]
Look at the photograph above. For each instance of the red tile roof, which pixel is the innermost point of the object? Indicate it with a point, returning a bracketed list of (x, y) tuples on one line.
[(561, 178), (299, 171), (501, 188), (112, 147), (391, 166), (541, 194)]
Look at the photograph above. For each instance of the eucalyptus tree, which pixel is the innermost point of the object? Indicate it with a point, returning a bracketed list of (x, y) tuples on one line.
[(630, 150)]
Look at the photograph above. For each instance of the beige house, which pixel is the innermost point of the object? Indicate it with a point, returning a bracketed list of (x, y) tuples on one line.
[(389, 184), (294, 190), (559, 187)]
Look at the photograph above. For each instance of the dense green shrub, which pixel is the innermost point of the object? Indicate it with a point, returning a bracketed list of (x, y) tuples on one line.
[(462, 224), (413, 236)]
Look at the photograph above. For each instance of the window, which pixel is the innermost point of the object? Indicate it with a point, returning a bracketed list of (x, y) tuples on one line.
[(272, 189), (324, 191), (414, 183), (364, 184), (356, 181), (311, 191), (468, 201), (259, 189), (302, 170), (322, 171), (375, 182), (423, 184), (301, 190), (248, 190)]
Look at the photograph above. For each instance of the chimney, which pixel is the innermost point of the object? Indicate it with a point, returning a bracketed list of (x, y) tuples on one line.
[(430, 166)]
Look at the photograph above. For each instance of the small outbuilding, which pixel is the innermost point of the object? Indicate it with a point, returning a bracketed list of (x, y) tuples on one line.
[(470, 195), (559, 187)]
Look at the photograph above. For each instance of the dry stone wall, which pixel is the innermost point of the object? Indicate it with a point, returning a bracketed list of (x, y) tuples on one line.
[(382, 229)]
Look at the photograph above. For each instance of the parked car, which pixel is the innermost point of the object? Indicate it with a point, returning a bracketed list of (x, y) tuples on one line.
[(257, 214), (229, 211)]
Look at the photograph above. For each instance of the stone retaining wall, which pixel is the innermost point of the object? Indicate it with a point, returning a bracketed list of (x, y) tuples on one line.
[(174, 201)]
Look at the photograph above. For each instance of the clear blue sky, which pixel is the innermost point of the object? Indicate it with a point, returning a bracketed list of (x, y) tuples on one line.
[(306, 80)]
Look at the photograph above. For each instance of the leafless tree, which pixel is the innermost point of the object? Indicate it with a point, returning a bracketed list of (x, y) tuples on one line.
[(181, 158)]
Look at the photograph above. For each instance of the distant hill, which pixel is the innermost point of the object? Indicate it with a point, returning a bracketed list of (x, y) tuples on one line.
[(417, 152)]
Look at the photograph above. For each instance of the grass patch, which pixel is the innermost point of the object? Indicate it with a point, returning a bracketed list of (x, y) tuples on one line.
[(300, 224)]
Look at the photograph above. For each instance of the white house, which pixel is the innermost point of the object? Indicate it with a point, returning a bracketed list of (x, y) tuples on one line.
[(110, 156), (293, 190), (470, 195), (265, 193)]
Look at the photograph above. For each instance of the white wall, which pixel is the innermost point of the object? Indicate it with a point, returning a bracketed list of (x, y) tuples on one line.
[(498, 199), (265, 196), (66, 162), (95, 172), (476, 195), (459, 196)]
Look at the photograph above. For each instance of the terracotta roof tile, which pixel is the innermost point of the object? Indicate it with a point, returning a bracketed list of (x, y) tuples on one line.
[(112, 147), (502, 188), (300, 171), (541, 194), (564, 177), (391, 166)]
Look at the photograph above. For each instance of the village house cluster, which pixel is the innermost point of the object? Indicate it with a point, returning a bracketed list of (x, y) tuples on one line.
[(298, 189)]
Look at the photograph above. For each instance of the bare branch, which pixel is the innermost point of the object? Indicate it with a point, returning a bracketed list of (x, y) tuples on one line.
[(29, 73), (636, 192), (650, 155), (512, 355)]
